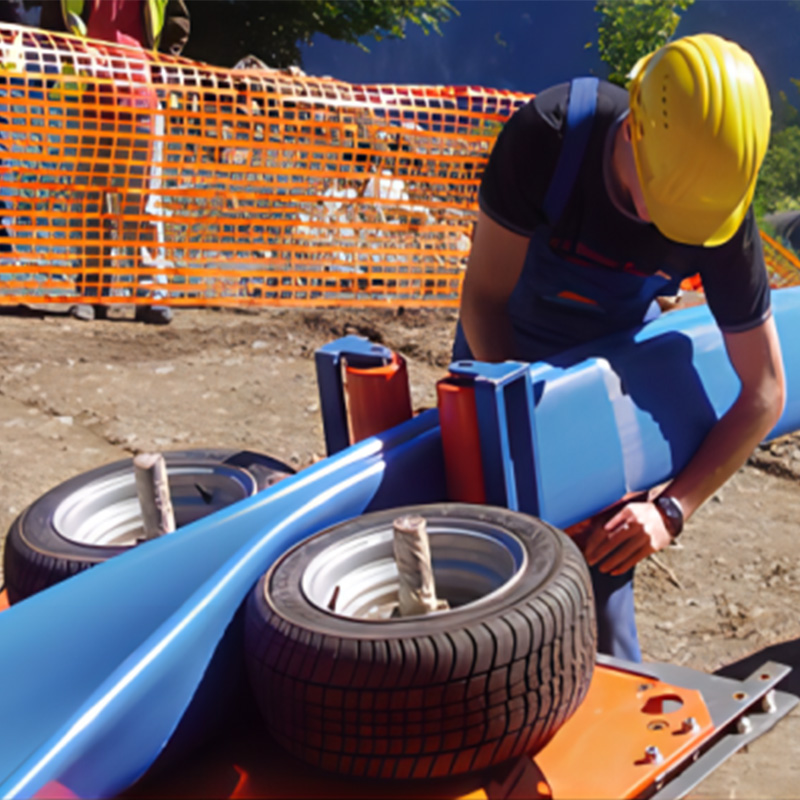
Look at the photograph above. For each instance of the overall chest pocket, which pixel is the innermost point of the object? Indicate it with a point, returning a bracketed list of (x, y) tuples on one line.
[(593, 290)]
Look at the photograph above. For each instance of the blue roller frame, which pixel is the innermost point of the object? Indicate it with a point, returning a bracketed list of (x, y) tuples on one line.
[(565, 438), (97, 672)]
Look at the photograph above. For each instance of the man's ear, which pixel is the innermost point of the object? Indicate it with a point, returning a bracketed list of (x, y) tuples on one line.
[(626, 129)]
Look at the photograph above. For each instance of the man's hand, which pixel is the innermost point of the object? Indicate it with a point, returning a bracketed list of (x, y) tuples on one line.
[(635, 532)]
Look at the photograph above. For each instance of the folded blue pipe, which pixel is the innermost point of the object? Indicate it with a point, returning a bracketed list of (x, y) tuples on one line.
[(626, 414), (97, 672)]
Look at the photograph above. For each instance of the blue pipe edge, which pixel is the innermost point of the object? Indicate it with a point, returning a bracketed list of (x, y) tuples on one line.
[(97, 672)]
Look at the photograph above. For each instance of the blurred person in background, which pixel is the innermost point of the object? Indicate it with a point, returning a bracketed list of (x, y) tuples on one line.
[(148, 26)]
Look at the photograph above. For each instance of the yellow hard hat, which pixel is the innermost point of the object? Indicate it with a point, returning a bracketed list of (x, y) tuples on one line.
[(700, 121)]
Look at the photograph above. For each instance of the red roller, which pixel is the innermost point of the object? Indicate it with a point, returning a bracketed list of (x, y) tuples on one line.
[(378, 398), (458, 419)]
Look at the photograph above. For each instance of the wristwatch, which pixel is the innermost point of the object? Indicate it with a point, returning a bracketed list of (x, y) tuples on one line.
[(672, 513)]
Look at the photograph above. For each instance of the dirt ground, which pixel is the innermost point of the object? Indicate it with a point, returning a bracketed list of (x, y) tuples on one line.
[(76, 395)]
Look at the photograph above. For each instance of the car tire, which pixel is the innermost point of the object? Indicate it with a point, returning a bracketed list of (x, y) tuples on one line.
[(344, 685), (95, 516)]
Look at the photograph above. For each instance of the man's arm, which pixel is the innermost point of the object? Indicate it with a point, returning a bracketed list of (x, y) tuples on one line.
[(638, 529), (493, 268)]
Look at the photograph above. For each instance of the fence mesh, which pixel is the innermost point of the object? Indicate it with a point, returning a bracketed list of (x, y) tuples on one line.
[(132, 177), (127, 175), (782, 264)]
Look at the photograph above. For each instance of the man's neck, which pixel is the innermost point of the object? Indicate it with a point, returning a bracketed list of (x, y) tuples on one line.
[(618, 188)]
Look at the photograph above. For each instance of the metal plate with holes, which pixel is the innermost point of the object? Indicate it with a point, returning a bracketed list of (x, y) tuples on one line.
[(741, 711), (647, 731), (643, 731)]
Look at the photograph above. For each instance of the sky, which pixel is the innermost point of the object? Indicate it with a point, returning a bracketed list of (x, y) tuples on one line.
[(527, 45)]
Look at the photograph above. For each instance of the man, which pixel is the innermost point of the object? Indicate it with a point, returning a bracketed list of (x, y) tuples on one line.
[(151, 25), (659, 189)]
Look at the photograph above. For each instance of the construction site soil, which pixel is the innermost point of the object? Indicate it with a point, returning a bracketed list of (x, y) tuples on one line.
[(75, 395)]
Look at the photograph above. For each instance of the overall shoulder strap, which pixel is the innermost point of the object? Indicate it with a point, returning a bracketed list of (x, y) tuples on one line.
[(580, 115)]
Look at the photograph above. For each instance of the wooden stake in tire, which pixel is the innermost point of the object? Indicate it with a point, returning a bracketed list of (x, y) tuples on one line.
[(152, 486), (412, 552)]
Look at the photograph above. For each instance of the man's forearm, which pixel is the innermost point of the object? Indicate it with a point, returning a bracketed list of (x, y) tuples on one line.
[(494, 266), (725, 449), (638, 529), (756, 358)]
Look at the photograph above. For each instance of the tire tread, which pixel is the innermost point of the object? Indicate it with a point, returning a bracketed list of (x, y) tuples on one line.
[(429, 704)]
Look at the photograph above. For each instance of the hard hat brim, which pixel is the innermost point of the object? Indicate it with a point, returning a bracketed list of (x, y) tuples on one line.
[(695, 226)]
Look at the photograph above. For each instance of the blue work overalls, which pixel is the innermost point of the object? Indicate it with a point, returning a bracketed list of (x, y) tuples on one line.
[(543, 310)]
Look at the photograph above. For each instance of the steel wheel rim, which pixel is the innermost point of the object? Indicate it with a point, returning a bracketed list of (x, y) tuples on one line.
[(356, 578), (106, 513)]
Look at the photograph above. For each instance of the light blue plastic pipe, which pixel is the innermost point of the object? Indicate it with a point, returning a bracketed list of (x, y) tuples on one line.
[(97, 672), (627, 415)]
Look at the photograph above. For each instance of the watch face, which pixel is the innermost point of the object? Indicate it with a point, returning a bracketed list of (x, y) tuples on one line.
[(673, 514)]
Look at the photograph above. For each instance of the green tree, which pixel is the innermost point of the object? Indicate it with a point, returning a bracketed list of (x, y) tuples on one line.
[(778, 186), (779, 180), (223, 31), (784, 114), (630, 29)]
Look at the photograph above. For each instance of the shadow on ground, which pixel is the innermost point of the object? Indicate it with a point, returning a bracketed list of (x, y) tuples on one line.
[(787, 653), (21, 311)]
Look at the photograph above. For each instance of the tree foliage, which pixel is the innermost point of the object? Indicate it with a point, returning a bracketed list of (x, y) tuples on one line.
[(784, 114), (778, 186), (223, 31), (630, 29)]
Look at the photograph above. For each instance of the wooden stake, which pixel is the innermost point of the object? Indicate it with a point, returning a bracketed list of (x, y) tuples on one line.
[(152, 487), (412, 552)]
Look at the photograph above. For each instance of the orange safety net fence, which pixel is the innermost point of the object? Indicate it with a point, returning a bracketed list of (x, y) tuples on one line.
[(130, 177), (783, 267), (782, 264)]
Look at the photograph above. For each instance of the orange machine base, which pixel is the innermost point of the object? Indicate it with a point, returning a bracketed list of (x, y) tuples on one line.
[(636, 732), (603, 751)]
